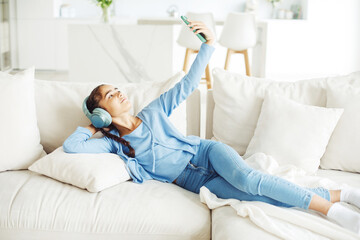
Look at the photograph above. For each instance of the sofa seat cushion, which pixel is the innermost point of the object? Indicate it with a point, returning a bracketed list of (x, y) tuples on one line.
[(226, 224), (48, 209)]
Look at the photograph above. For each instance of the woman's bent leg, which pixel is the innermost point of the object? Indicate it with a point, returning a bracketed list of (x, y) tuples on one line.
[(223, 189), (230, 166)]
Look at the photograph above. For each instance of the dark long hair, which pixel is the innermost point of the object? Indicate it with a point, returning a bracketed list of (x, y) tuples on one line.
[(91, 104)]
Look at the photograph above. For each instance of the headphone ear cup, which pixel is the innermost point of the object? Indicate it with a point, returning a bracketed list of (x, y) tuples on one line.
[(100, 118), (85, 109)]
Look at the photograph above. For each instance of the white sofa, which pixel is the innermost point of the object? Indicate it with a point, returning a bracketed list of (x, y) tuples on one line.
[(226, 224), (236, 109), (33, 206)]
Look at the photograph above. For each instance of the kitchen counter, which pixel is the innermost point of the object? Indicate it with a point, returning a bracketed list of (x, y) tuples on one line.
[(117, 53), (167, 21)]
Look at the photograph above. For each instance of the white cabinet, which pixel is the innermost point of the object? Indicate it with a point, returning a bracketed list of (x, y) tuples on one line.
[(35, 34), (36, 44), (43, 43), (35, 9), (61, 45)]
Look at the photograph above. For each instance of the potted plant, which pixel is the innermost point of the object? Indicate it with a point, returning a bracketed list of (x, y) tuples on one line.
[(273, 3), (104, 4)]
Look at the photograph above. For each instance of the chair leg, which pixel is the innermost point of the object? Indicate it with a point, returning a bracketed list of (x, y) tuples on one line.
[(227, 61), (208, 77), (186, 60), (247, 65)]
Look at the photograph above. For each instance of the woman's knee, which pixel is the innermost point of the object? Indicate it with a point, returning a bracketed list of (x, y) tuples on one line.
[(223, 150), (225, 159), (223, 189)]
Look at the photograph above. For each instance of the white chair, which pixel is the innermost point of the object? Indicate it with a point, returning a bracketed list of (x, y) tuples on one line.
[(238, 35), (192, 42)]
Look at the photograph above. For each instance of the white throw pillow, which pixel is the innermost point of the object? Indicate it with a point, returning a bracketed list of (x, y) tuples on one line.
[(93, 172), (59, 105), (238, 101), (20, 139), (343, 150), (293, 133)]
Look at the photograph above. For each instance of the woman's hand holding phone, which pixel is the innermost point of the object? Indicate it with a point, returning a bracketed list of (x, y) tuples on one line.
[(200, 27)]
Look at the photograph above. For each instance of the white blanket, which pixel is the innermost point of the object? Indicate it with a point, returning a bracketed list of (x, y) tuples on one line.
[(285, 223)]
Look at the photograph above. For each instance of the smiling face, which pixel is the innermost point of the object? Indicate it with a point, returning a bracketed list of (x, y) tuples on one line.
[(113, 100)]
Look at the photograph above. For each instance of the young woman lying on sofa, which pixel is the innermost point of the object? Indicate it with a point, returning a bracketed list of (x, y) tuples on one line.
[(159, 151)]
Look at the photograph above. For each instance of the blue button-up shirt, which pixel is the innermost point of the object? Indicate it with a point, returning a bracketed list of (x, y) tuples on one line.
[(161, 151)]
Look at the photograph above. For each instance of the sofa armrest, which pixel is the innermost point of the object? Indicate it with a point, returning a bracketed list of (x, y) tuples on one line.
[(193, 112), (210, 105)]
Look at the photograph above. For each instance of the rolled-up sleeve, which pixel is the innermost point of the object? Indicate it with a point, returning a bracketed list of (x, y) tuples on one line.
[(80, 142)]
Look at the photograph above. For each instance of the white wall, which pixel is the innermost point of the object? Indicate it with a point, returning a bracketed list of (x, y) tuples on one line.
[(335, 33), (158, 8), (325, 44)]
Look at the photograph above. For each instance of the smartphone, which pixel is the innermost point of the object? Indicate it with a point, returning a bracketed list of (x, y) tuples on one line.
[(201, 36)]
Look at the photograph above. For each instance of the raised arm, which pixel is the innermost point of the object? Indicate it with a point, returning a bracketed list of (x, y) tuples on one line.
[(176, 95), (79, 142)]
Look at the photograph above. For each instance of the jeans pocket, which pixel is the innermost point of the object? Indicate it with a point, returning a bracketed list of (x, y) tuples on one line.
[(201, 170)]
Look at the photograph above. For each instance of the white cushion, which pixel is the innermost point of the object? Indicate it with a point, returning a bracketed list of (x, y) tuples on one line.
[(238, 101), (40, 207), (293, 133), (343, 151), (93, 172), (20, 139), (353, 79), (58, 105)]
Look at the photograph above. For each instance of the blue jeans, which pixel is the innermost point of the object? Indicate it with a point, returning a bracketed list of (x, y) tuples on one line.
[(222, 170)]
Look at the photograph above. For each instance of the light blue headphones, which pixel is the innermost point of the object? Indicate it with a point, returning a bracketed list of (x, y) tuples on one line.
[(100, 118)]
